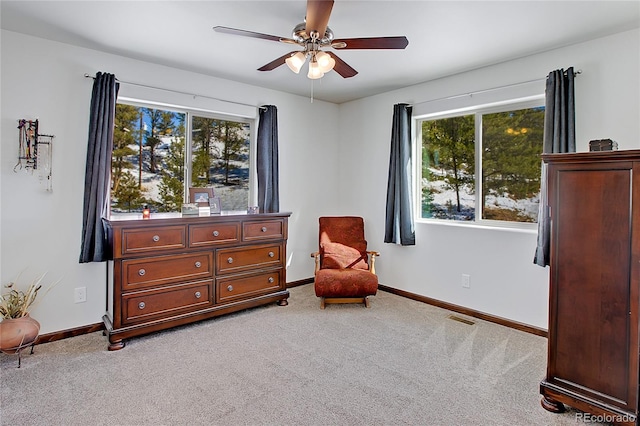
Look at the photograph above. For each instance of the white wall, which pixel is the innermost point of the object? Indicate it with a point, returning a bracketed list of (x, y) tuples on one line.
[(504, 281), (40, 231)]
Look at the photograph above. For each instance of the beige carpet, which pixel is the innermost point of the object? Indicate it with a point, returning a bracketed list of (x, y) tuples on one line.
[(401, 362)]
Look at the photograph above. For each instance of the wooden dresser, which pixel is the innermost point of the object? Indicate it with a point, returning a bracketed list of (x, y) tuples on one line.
[(593, 348), (171, 270)]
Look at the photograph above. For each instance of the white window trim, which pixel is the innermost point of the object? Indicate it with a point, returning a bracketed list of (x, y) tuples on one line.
[(477, 110)]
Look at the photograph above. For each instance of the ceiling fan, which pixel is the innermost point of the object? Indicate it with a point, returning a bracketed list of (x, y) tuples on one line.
[(313, 35)]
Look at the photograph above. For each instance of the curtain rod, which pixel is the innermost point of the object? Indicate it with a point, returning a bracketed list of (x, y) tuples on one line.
[(487, 90), (177, 91)]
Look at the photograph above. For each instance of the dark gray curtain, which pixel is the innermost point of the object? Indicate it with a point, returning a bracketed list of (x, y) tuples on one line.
[(98, 169), (399, 226), (559, 136), (267, 160)]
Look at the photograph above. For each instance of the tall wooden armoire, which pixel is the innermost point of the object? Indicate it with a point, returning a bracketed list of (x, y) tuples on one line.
[(593, 348)]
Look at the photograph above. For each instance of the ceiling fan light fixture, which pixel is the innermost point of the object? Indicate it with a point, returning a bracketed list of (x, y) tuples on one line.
[(295, 62), (325, 61), (314, 70)]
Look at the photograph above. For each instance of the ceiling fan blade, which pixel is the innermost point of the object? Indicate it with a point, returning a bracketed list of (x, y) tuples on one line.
[(341, 67), (245, 33), (371, 43), (317, 19), (276, 62)]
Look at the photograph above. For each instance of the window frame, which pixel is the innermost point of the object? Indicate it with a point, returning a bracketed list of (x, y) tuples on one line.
[(534, 101), (189, 112)]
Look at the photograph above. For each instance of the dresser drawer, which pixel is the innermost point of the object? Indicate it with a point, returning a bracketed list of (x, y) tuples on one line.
[(213, 234), (267, 229), (145, 306), (154, 271), (238, 259), (141, 240), (247, 285)]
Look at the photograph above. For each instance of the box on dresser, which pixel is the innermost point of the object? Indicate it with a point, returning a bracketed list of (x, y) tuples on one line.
[(171, 270)]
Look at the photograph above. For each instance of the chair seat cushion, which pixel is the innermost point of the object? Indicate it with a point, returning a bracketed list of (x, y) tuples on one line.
[(345, 283)]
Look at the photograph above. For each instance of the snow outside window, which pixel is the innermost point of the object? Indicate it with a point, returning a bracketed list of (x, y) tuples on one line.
[(482, 165), (150, 165)]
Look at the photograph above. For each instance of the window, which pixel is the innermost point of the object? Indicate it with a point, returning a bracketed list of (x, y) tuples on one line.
[(150, 164), (220, 158), (483, 165)]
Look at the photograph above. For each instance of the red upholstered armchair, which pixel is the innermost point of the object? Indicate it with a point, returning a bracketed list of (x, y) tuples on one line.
[(345, 270)]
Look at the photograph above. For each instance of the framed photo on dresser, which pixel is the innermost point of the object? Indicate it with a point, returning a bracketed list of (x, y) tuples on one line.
[(200, 196)]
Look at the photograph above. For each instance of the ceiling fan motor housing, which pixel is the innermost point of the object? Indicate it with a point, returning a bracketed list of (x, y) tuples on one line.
[(301, 36)]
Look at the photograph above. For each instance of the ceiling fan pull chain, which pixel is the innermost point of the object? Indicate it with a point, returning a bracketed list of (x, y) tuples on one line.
[(311, 91)]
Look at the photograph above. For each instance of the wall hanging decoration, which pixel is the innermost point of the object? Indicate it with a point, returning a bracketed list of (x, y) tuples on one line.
[(35, 151)]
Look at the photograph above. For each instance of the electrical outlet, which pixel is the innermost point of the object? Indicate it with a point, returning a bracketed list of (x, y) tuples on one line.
[(465, 281), (80, 295)]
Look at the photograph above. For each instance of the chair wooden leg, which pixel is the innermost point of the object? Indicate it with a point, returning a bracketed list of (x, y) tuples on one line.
[(331, 300)]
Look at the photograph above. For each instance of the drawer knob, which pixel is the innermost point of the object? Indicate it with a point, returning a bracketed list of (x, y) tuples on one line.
[(141, 272), (263, 229), (156, 238), (198, 264), (141, 305), (230, 288), (216, 233), (271, 254), (198, 295), (230, 260), (271, 279)]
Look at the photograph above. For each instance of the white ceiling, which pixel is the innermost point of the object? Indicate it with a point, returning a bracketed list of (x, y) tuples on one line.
[(445, 37)]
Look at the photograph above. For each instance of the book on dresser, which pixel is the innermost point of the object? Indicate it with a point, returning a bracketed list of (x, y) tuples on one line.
[(172, 270)]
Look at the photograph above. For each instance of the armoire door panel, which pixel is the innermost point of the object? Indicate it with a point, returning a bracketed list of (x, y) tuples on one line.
[(593, 225)]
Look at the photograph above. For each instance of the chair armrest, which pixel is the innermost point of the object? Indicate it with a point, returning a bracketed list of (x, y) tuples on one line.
[(372, 260), (316, 255)]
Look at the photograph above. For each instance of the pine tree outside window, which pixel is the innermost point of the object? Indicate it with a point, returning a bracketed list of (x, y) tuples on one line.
[(483, 165), (150, 165)]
